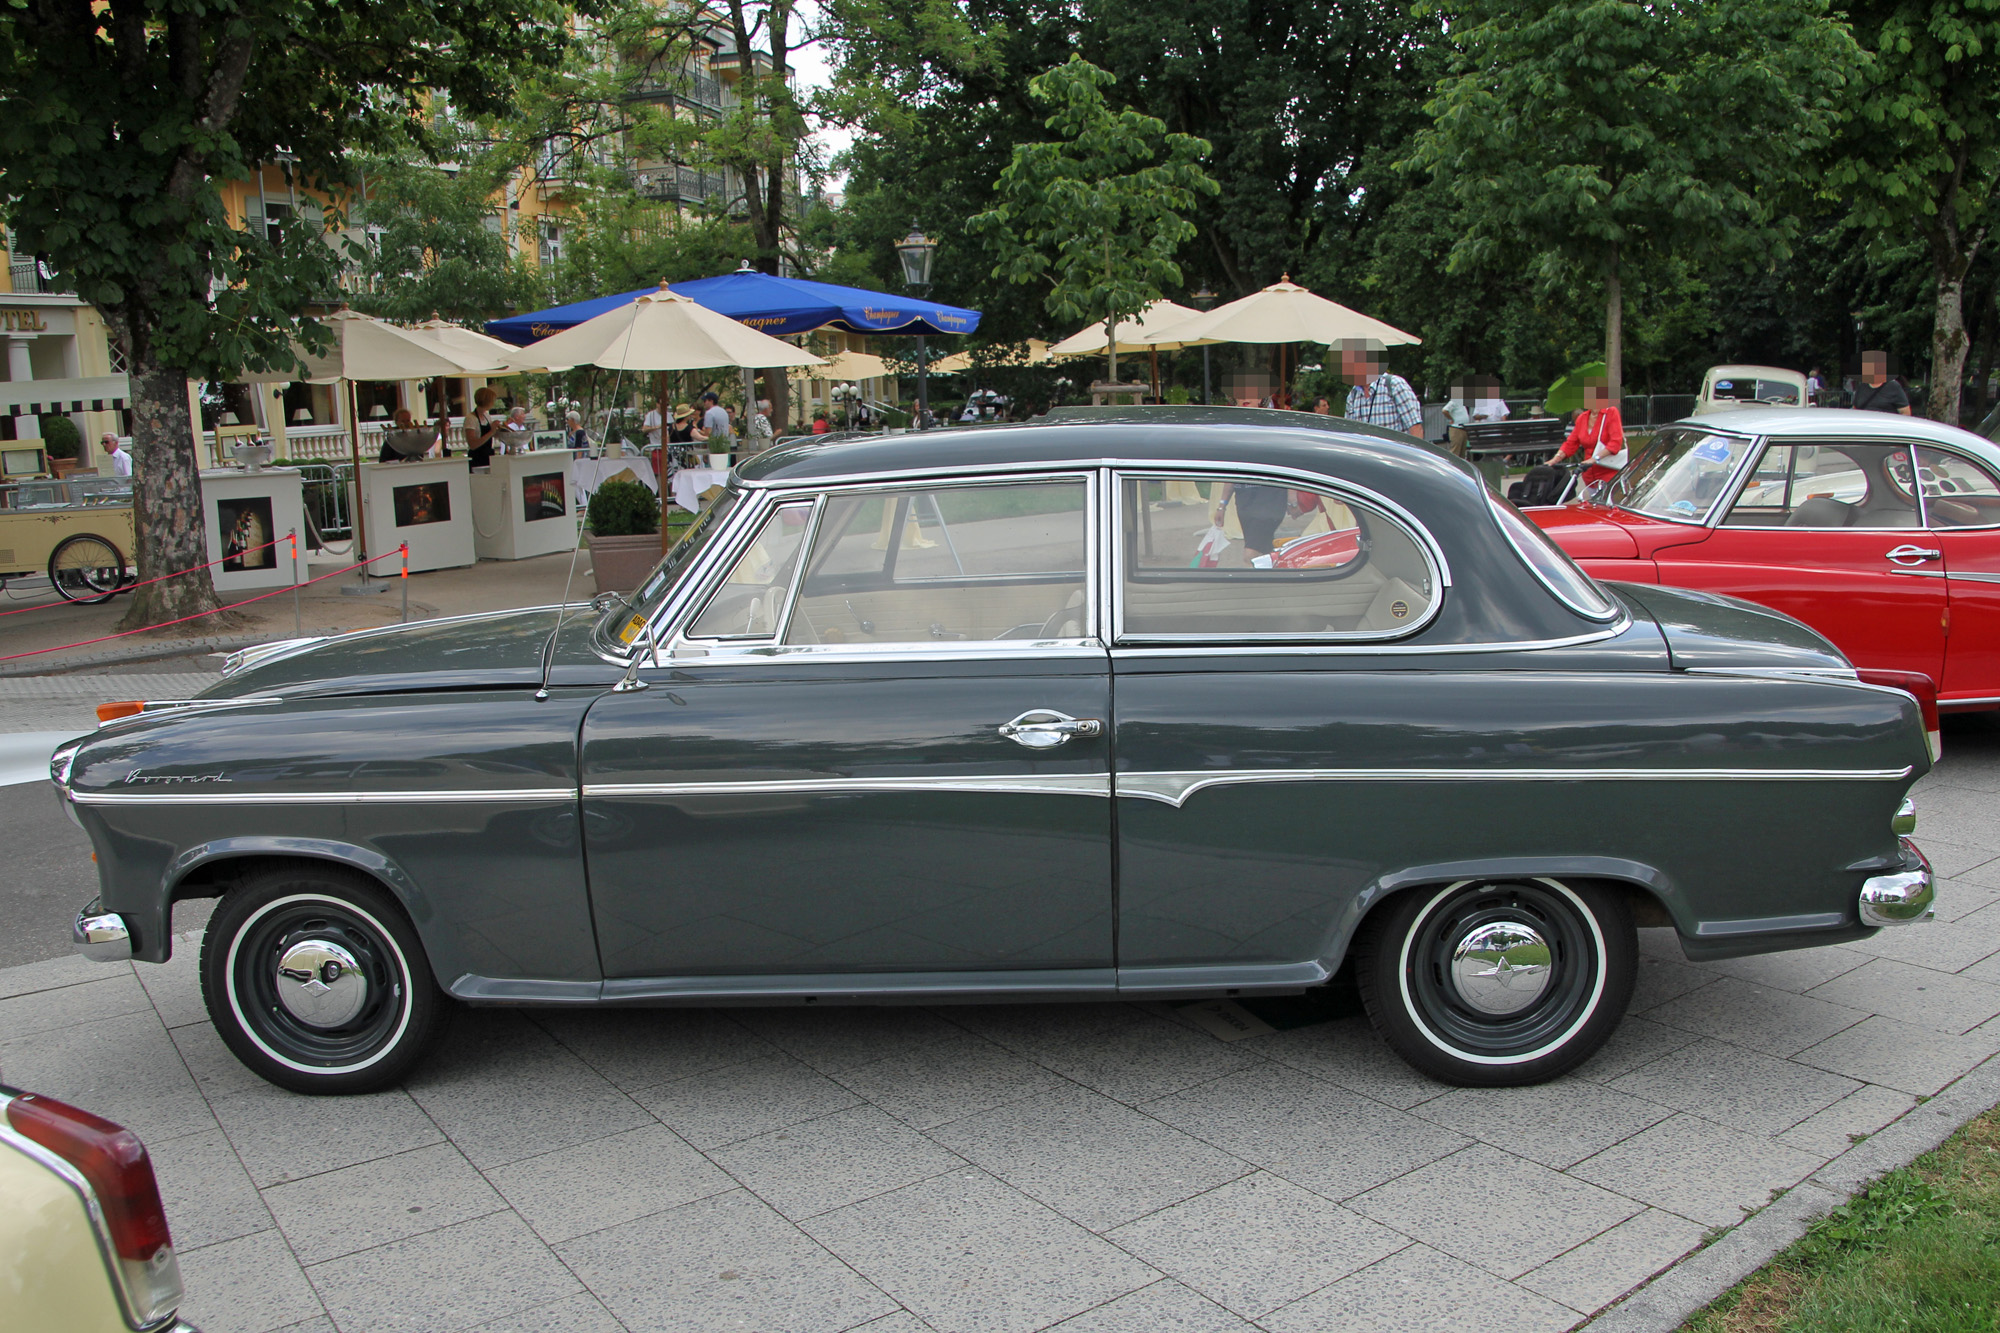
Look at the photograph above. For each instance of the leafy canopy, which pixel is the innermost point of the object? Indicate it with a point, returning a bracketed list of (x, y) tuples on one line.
[(1100, 212)]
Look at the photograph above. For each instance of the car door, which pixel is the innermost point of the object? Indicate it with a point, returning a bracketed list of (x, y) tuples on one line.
[(1829, 531), (877, 753), (1234, 867), (1962, 512)]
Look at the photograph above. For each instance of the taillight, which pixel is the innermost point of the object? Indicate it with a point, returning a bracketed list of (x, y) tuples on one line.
[(1923, 688), (123, 708), (120, 1175)]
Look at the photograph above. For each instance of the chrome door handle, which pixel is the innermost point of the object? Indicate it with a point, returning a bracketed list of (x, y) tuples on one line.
[(1911, 555), (1045, 728)]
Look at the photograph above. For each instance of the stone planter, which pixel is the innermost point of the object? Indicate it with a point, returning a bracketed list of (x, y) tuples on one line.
[(619, 563)]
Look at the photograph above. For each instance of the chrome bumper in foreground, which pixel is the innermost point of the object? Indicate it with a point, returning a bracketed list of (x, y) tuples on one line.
[(102, 937), (1901, 898)]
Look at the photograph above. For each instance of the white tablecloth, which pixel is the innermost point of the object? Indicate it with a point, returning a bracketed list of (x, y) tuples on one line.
[(690, 482), (587, 474)]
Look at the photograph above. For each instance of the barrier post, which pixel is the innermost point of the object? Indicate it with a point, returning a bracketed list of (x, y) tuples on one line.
[(298, 625), (406, 582)]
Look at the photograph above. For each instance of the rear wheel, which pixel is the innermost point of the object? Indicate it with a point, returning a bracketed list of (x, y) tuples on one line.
[(317, 981), (1498, 983), (86, 568)]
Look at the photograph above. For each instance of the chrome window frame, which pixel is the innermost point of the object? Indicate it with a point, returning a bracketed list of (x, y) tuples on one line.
[(815, 506), (1715, 524), (1118, 473), (678, 613), (1612, 607)]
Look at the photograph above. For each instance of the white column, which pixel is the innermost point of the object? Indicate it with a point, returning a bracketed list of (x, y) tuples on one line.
[(21, 369)]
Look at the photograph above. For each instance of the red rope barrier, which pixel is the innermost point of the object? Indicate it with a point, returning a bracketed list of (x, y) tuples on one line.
[(276, 592), (49, 606)]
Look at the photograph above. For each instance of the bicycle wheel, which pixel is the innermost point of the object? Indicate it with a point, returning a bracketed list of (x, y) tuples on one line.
[(86, 568)]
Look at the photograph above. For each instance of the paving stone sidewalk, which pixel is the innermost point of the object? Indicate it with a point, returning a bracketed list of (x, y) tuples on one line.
[(1092, 1168)]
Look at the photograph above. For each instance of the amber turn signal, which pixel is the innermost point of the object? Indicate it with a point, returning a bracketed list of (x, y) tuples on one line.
[(125, 708)]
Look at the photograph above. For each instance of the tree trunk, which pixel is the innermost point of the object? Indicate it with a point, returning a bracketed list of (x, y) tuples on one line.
[(1948, 342), (1614, 331), (167, 519)]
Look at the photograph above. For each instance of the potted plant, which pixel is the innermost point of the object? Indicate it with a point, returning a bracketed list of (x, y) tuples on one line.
[(624, 522)]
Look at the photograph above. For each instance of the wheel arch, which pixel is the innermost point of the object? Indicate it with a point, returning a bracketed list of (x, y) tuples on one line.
[(1650, 895), (212, 869)]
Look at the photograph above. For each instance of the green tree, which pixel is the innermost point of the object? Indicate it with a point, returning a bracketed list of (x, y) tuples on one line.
[(1922, 156), (1602, 134), (1100, 212), (122, 120)]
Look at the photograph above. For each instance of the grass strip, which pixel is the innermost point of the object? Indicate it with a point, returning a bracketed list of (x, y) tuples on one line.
[(1918, 1252)]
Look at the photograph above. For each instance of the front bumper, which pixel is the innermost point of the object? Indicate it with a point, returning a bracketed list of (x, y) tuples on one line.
[(1901, 898), (103, 937)]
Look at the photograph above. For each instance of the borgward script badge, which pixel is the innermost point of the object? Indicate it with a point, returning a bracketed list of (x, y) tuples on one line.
[(136, 778)]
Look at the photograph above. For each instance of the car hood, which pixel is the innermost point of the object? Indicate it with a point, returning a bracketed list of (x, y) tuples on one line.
[(1705, 629), (503, 648)]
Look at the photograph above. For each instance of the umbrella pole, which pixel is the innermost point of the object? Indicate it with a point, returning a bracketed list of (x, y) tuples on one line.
[(1156, 372), (664, 458), (354, 443)]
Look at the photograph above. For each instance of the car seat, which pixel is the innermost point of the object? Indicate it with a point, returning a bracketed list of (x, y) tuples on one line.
[(1821, 512)]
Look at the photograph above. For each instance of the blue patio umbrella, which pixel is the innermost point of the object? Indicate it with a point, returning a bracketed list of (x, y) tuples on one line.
[(772, 305)]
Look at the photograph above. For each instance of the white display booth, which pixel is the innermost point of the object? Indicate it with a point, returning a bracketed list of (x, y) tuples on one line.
[(248, 516), (428, 504), (521, 506)]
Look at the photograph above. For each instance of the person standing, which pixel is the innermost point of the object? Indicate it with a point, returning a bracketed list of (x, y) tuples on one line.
[(715, 420), (1376, 397), (1814, 387), (114, 453), (759, 436), (1457, 416), (575, 437), (1877, 392), (480, 428), (1600, 429)]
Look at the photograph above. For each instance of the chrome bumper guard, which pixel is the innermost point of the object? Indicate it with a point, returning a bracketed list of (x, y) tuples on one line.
[(1901, 898), (103, 937)]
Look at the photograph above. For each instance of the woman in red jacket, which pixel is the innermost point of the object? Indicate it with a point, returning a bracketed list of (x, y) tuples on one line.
[(1599, 434)]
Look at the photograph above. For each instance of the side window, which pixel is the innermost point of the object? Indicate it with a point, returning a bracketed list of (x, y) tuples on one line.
[(1764, 501), (1845, 485), (750, 604), (1958, 493), (1215, 556), (948, 564)]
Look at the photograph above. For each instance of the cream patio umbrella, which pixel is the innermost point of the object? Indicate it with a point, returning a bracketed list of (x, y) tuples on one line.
[(467, 344), (1140, 333), (854, 366), (1283, 313), (1039, 353), (366, 348), (664, 331)]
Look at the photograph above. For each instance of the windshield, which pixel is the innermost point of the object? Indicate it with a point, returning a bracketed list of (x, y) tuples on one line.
[(621, 623), (1755, 391), (1680, 474)]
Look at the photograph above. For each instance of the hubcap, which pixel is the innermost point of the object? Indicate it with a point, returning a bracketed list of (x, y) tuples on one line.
[(320, 983), (1501, 967)]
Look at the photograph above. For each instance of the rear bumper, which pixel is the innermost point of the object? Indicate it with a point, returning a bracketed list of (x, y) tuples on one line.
[(1901, 898), (100, 936)]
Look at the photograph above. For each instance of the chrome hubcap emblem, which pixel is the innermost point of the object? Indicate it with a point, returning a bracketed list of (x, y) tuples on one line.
[(1501, 967), (320, 983)]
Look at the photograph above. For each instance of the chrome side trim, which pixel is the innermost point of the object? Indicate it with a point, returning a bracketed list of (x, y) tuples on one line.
[(1972, 578), (1238, 649), (1098, 784), (155, 796), (1845, 675), (1175, 788)]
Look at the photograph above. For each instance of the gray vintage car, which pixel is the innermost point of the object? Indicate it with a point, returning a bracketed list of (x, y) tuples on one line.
[(1138, 703)]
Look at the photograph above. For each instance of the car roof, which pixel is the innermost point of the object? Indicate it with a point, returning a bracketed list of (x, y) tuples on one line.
[(1190, 433), (1756, 372), (1844, 422)]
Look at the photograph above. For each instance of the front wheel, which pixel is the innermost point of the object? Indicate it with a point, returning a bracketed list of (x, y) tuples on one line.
[(317, 981), (1498, 983), (86, 568)]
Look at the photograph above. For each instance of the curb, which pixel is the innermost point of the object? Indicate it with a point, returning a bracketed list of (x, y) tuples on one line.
[(155, 649), (1666, 1302)]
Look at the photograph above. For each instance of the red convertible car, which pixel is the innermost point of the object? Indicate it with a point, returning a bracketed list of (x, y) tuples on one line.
[(1882, 532)]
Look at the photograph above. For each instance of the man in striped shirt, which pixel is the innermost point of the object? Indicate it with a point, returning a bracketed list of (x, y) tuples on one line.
[(1377, 397)]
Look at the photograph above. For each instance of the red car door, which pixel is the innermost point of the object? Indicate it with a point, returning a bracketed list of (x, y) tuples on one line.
[(1962, 509), (1829, 532)]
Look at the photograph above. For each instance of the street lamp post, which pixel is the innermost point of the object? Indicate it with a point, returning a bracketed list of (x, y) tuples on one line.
[(916, 251), (1203, 299)]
